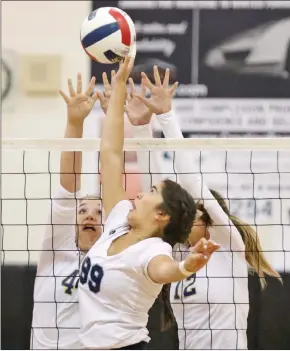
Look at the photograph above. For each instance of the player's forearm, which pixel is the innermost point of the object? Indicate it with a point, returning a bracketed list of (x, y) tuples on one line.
[(183, 160), (166, 273), (148, 163), (113, 127), (71, 162), (195, 185)]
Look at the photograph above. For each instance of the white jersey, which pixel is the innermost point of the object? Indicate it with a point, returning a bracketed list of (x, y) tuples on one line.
[(116, 292), (211, 307), (55, 323)]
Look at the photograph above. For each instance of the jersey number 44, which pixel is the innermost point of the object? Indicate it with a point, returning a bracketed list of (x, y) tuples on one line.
[(91, 275)]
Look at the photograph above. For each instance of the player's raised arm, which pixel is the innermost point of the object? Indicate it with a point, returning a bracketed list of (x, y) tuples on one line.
[(149, 163), (160, 103), (79, 105), (112, 141), (163, 270)]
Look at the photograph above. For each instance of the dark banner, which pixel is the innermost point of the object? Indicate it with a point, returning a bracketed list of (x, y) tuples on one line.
[(245, 53), (232, 55), (220, 52)]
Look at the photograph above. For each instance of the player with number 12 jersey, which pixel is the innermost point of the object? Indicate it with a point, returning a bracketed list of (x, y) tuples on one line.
[(211, 307)]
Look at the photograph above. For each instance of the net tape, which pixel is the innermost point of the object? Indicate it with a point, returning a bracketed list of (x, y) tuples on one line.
[(151, 144)]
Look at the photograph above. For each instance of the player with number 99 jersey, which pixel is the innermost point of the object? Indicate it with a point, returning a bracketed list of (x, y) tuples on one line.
[(114, 313)]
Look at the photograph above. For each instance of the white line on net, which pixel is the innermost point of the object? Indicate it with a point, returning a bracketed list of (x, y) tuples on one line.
[(152, 144)]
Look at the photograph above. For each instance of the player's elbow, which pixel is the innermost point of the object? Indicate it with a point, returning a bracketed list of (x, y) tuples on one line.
[(162, 270), (106, 149)]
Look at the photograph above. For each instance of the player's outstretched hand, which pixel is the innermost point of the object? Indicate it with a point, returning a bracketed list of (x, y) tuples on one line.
[(125, 69), (200, 254), (138, 113), (104, 97), (161, 93), (79, 104)]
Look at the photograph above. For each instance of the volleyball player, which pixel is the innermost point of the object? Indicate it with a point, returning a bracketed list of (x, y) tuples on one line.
[(124, 271), (211, 306), (74, 226)]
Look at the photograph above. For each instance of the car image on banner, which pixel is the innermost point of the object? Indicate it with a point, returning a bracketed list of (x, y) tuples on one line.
[(255, 51)]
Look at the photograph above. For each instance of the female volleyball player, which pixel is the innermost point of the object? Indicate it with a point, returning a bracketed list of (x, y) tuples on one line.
[(123, 272), (74, 228), (211, 306)]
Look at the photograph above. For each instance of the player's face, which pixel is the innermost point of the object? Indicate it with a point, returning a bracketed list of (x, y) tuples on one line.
[(89, 220), (146, 208), (198, 230)]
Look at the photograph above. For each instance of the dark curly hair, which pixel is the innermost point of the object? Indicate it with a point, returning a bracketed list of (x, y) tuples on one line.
[(181, 208)]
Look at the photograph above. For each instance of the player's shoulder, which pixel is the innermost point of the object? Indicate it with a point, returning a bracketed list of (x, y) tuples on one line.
[(152, 247), (119, 213)]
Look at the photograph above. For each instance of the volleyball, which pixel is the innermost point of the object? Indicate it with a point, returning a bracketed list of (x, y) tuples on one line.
[(108, 35)]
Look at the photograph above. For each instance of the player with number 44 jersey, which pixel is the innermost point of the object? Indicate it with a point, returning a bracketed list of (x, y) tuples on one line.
[(74, 226)]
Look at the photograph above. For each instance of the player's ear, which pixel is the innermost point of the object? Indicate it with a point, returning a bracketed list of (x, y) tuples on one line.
[(161, 217)]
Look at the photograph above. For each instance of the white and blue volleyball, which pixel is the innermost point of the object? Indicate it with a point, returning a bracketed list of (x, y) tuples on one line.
[(108, 35)]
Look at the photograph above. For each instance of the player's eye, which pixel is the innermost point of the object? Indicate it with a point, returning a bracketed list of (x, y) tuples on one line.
[(152, 191), (82, 211)]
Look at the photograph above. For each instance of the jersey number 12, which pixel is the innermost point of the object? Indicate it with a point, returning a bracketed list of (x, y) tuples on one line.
[(188, 289)]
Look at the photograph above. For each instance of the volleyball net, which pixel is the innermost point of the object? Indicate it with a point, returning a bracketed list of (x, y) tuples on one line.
[(253, 174)]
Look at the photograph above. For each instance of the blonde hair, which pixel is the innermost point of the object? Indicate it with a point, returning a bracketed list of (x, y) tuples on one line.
[(254, 253), (88, 197)]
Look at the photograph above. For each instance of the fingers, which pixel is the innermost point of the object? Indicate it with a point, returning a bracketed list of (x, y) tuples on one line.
[(132, 86), (64, 96), (107, 85), (101, 97), (91, 87), (200, 246), (71, 88), (113, 74), (173, 88), (145, 101), (166, 78), (206, 247), (143, 88), (128, 97), (147, 81), (130, 64), (79, 83), (212, 246), (156, 76), (127, 63), (94, 98)]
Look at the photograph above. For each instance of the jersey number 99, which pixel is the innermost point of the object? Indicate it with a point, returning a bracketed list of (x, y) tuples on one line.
[(91, 275)]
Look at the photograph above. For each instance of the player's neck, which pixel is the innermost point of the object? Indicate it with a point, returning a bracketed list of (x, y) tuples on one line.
[(137, 234)]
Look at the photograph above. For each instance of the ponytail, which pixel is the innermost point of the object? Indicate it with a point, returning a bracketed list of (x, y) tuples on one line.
[(254, 252), (167, 317)]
